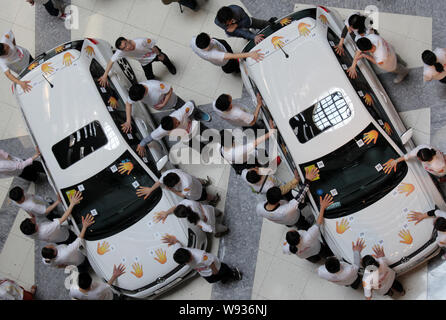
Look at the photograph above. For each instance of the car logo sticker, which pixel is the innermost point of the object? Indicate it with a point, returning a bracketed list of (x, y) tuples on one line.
[(113, 168), (136, 259), (103, 90), (112, 248), (94, 212), (394, 193), (344, 66), (68, 46), (123, 260), (320, 164), (110, 108), (145, 159), (360, 143), (331, 43), (381, 123), (129, 135), (151, 252), (80, 187), (334, 192), (157, 235), (135, 184), (378, 167), (361, 94)]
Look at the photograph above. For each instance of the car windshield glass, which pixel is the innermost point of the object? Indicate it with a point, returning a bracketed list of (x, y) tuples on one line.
[(354, 175), (330, 112), (110, 195), (79, 144)]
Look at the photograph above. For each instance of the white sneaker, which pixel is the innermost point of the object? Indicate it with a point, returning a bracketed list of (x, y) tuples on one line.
[(400, 77), (443, 256), (65, 17)]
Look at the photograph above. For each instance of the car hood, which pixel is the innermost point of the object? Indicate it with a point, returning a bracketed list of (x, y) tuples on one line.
[(140, 249), (386, 223)]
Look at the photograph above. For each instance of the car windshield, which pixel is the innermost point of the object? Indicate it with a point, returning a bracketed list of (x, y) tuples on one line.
[(110, 195), (354, 175)]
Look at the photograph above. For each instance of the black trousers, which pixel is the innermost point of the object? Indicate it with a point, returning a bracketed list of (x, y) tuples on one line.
[(232, 65), (397, 286), (323, 253), (31, 172), (443, 80), (302, 223), (49, 6), (71, 237), (192, 4), (224, 274), (148, 69), (356, 283)]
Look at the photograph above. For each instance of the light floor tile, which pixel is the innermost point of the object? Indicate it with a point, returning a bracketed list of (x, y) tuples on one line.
[(25, 38), (271, 236), (16, 126), (6, 112), (214, 6), (14, 254), (10, 9), (6, 96), (27, 271), (130, 32), (84, 16), (194, 289), (100, 26), (188, 94), (149, 15), (320, 289), (26, 16), (116, 9), (415, 284), (264, 260), (5, 183), (15, 229), (230, 84), (421, 31), (86, 4)]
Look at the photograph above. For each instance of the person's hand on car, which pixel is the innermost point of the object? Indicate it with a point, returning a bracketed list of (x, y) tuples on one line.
[(144, 192), (141, 150), (417, 217), (126, 127), (326, 201), (312, 174), (352, 72), (160, 216), (257, 55), (76, 198), (258, 38), (390, 165), (169, 239), (359, 246), (103, 80), (339, 49)]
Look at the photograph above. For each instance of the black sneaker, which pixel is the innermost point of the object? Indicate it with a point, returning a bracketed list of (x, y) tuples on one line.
[(221, 234), (272, 20), (214, 201), (169, 65), (207, 182), (237, 274)]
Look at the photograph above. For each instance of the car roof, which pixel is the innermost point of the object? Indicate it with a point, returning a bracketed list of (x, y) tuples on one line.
[(55, 113), (291, 85)]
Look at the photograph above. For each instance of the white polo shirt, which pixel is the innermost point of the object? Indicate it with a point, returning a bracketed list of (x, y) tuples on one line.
[(205, 212), (13, 166), (98, 291), (237, 116), (430, 73), (309, 244), (67, 254), (239, 153), (346, 275), (33, 204), (380, 280), (17, 58), (156, 92), (438, 164), (143, 51), (215, 54), (384, 53), (51, 232), (270, 182), (189, 186), (286, 213), (201, 262), (181, 115)]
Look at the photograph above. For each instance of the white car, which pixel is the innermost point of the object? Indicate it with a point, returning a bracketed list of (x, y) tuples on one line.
[(76, 124), (348, 129)]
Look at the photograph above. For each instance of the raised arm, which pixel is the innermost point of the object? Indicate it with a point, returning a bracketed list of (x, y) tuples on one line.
[(74, 200), (256, 55), (162, 215), (166, 98), (127, 125), (324, 204), (103, 81), (54, 205), (146, 191), (86, 222), (117, 272), (24, 84)]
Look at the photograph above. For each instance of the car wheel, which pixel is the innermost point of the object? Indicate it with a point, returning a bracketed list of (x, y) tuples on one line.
[(127, 69)]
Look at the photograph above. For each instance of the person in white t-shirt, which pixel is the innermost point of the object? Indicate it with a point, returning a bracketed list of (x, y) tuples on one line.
[(10, 290), (379, 52), (433, 161), (378, 278), (206, 264), (439, 225), (202, 215), (235, 113), (28, 169), (33, 204), (64, 255), (86, 289), (219, 53), (306, 244), (52, 231), (343, 273), (51, 8), (144, 51), (434, 65), (182, 184), (154, 93), (15, 58), (261, 179)]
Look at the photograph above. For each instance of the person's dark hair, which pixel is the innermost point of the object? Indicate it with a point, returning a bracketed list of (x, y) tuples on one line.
[(332, 265), (224, 14), (430, 59), (27, 227), (273, 195), (84, 280), (223, 102), (2, 49), (357, 22), (16, 194), (171, 179), (364, 44), (252, 176), (136, 92), (440, 224), (293, 239), (119, 41), (48, 253), (203, 40), (368, 260), (182, 256), (426, 154), (182, 211), (167, 123)]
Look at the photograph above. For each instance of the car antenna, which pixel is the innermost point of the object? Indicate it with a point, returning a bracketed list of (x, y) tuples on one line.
[(286, 54), (51, 85)]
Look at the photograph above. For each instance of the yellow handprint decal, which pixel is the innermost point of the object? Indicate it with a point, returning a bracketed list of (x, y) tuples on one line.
[(67, 59), (113, 102), (103, 248), (406, 236), (89, 50), (368, 99), (285, 21), (161, 256), (137, 270), (303, 29), (33, 65), (277, 42), (406, 188), (59, 49), (125, 167), (323, 19), (387, 128), (343, 226), (47, 68), (370, 136)]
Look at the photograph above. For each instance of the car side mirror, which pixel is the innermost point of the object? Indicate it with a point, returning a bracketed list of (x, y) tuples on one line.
[(161, 163), (406, 136)]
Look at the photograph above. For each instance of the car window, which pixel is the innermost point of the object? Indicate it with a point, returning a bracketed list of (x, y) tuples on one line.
[(110, 195), (79, 144), (365, 92), (116, 108), (353, 174), (330, 112)]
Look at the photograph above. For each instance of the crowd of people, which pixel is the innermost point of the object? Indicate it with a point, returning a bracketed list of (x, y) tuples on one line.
[(283, 202)]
